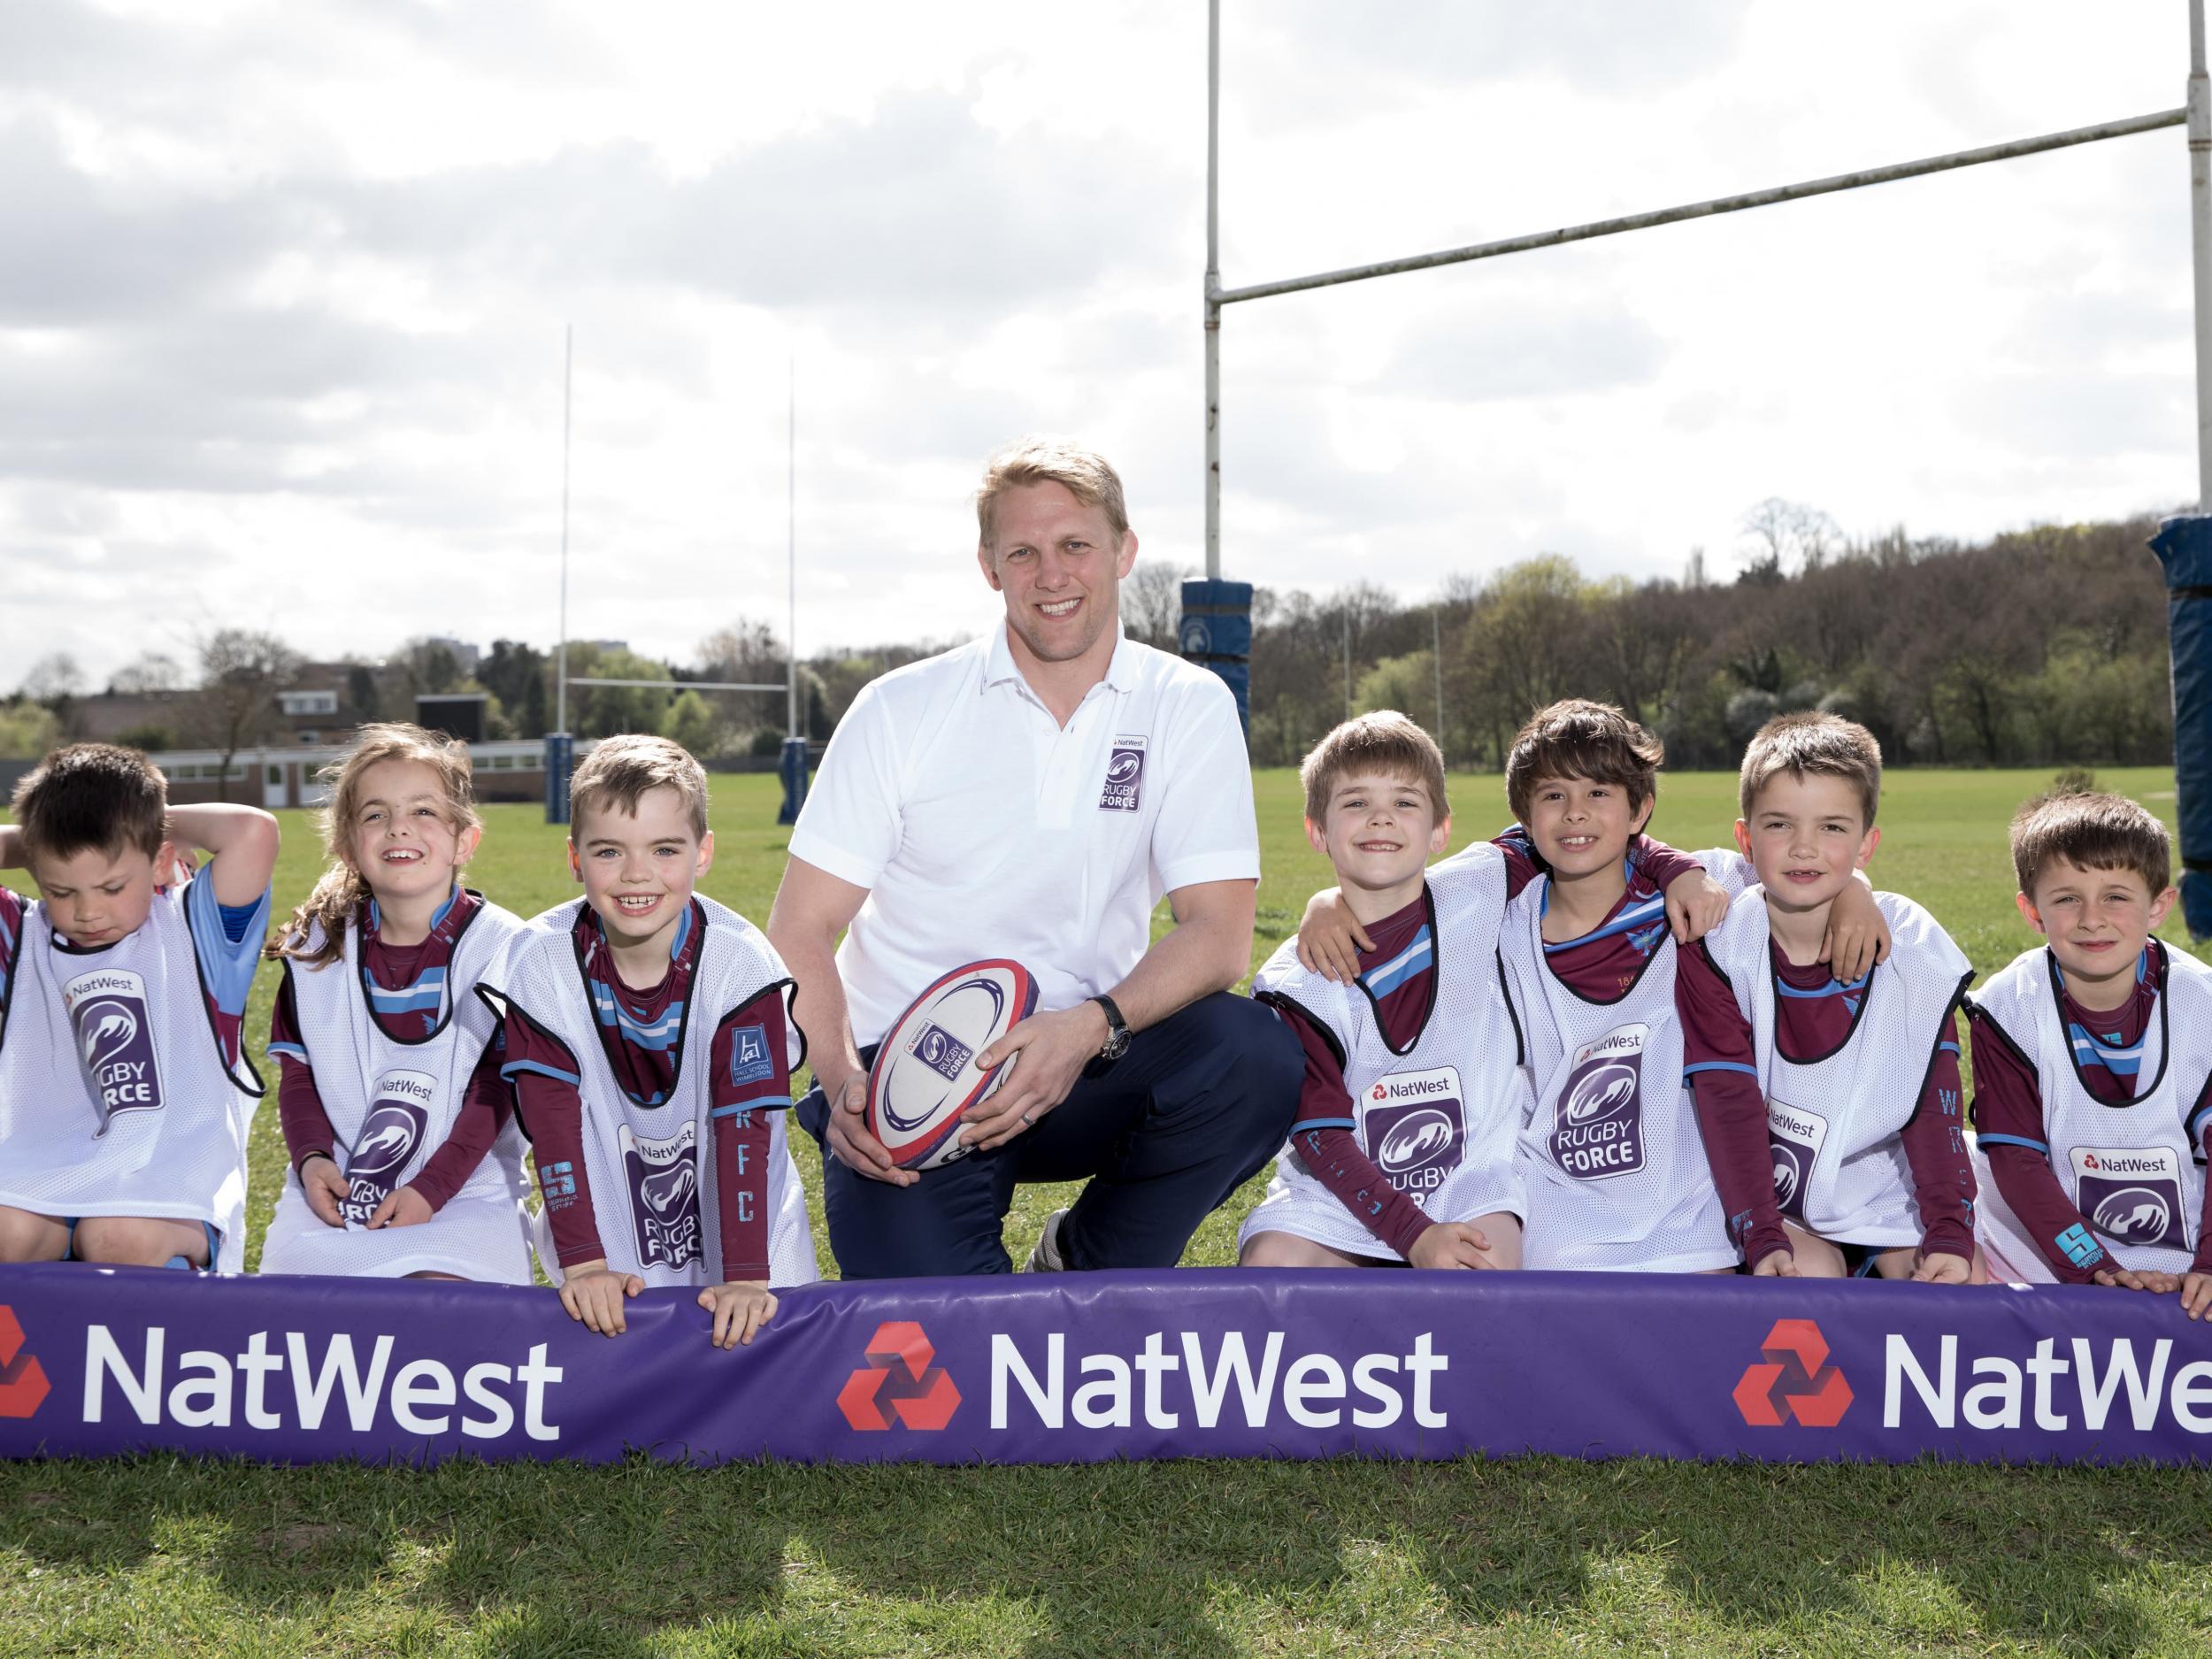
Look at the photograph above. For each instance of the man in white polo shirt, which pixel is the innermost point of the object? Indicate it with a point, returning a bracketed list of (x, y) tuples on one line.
[(1031, 795)]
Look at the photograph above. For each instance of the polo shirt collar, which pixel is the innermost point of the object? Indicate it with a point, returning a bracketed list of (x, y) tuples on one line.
[(1122, 673)]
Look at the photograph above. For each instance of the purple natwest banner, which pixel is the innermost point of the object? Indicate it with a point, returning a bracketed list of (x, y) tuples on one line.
[(1212, 1363)]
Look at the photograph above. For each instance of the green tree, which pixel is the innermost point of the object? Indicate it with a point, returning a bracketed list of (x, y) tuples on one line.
[(690, 722)]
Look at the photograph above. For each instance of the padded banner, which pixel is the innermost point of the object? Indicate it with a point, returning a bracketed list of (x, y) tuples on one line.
[(1197, 1364)]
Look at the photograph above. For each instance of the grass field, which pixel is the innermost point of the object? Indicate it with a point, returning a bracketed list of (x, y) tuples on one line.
[(1538, 1556)]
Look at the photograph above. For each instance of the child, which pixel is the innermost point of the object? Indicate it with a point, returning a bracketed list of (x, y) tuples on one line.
[(1861, 1080), (124, 1100), (384, 1050), (1402, 1150), (650, 1042), (2092, 1064)]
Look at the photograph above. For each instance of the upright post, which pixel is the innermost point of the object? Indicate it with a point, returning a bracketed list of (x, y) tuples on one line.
[(1213, 290), (1436, 657), (559, 746), (794, 763), (2199, 107)]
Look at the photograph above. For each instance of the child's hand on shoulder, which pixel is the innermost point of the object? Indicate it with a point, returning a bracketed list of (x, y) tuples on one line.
[(1696, 904), (739, 1309), (1858, 933), (406, 1208), (1941, 1267), (1450, 1244), (324, 1188), (2196, 1294), (1330, 938), (593, 1293)]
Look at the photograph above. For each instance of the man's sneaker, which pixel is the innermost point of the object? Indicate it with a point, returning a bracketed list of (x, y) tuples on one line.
[(1046, 1257)]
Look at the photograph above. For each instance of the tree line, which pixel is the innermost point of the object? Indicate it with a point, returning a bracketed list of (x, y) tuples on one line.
[(2040, 647)]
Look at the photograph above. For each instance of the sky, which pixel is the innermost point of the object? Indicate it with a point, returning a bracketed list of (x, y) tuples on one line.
[(285, 286)]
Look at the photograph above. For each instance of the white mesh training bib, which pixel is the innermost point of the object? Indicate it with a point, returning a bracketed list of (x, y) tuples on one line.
[(651, 1167), (1612, 1158), (1832, 1122), (391, 1105), (115, 1098), (1440, 1119), (2130, 1168)]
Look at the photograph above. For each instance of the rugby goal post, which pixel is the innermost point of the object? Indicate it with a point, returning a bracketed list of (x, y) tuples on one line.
[(1216, 626), (560, 744)]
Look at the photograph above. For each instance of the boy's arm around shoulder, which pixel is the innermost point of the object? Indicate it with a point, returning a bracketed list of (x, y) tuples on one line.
[(241, 844)]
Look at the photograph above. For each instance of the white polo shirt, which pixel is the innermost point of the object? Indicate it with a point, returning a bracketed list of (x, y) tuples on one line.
[(980, 827)]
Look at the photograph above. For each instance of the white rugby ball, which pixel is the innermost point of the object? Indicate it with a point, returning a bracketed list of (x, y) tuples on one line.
[(925, 1078)]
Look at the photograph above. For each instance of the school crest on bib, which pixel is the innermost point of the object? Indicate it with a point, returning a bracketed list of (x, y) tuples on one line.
[(1124, 789), (664, 1181), (399, 1111), (2131, 1195), (1599, 1130), (1417, 1123), (115, 1042)]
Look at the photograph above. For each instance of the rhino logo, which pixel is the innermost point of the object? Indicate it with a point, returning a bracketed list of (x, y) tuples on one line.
[(1607, 1091), (2134, 1214), (671, 1189), (1421, 1136), (108, 1028)]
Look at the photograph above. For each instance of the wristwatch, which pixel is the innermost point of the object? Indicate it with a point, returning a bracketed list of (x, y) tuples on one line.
[(1117, 1030)]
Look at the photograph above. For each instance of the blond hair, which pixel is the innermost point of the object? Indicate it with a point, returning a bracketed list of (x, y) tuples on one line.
[(1577, 738), (343, 889), (2092, 831), (92, 796), (1084, 474), (1824, 745), (1385, 741), (619, 771)]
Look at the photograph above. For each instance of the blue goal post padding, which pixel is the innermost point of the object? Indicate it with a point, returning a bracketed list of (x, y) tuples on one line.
[(1080, 1368), (1216, 632), (2184, 545)]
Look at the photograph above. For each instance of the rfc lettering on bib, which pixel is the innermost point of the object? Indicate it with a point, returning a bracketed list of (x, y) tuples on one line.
[(1124, 789), (1598, 1131), (2131, 1194), (1794, 1136), (664, 1182), (107, 1018), (389, 1136), (1415, 1128)]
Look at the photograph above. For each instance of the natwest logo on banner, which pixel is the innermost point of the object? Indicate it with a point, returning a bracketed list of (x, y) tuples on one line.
[(23, 1385), (1794, 1381), (901, 1373)]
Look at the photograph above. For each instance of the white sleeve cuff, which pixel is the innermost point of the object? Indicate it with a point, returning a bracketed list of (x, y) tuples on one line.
[(823, 855), (1230, 866)]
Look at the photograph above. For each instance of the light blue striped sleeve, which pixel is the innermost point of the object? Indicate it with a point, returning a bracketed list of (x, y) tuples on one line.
[(228, 964)]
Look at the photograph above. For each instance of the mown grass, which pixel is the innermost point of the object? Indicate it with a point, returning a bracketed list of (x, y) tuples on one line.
[(1538, 1556)]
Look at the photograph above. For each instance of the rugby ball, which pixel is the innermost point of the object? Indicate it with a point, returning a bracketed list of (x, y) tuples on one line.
[(925, 1077)]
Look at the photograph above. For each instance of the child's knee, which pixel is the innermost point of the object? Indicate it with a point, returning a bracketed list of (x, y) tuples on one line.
[(1286, 1249), (1502, 1232), (140, 1241), (1815, 1256), (26, 1236)]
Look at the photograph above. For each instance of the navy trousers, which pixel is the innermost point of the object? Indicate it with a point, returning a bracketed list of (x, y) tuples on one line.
[(1196, 1107)]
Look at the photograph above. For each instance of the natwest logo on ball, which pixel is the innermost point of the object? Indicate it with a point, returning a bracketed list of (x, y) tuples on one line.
[(902, 1374), (1794, 1381), (23, 1385)]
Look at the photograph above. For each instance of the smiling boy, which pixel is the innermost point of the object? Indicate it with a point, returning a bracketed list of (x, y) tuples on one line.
[(1860, 1077), (1402, 1147), (650, 1045), (2092, 1064), (124, 1097)]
